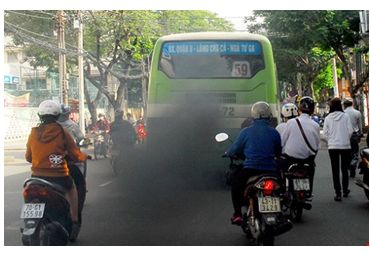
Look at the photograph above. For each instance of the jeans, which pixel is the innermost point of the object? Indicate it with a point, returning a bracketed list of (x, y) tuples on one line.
[(340, 159), (355, 139)]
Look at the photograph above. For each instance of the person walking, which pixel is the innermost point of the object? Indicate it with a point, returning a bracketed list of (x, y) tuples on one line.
[(356, 121), (337, 132)]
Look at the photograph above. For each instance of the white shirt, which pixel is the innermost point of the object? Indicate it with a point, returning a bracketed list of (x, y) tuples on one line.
[(281, 129), (293, 141), (338, 130), (355, 117)]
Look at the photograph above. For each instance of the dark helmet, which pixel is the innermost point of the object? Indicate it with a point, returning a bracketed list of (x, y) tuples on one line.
[(306, 105), (65, 109), (118, 113)]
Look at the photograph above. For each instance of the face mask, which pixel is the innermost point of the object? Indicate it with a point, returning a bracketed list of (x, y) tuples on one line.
[(101, 118)]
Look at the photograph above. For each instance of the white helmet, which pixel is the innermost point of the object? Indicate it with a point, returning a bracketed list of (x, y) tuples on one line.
[(49, 107), (289, 110), (261, 110)]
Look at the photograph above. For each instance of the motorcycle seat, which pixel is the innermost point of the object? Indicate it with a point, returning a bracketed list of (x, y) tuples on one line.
[(254, 179), (44, 183)]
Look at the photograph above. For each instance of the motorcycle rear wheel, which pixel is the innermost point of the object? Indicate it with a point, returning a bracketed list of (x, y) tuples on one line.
[(96, 150), (267, 238), (116, 166), (366, 181), (39, 237)]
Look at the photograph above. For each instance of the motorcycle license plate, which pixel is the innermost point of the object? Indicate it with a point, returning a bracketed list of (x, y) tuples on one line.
[(301, 184), (269, 205), (32, 211)]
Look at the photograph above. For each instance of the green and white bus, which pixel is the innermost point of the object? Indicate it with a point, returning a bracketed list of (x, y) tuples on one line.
[(204, 83)]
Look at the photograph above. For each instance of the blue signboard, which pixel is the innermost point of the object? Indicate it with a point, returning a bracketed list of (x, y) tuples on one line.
[(11, 79), (6, 79), (15, 79), (211, 47)]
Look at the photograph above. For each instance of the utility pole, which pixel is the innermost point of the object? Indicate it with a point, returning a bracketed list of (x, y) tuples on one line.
[(63, 84), (81, 97)]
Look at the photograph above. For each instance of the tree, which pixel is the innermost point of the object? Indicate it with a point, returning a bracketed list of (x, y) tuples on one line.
[(116, 43), (294, 44), (297, 33)]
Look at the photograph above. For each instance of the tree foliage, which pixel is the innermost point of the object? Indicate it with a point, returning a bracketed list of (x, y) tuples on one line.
[(117, 43), (309, 38)]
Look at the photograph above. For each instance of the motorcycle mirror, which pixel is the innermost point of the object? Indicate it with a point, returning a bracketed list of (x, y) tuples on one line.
[(81, 143), (221, 137)]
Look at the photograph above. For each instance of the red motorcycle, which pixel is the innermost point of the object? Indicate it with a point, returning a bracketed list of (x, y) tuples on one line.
[(141, 133)]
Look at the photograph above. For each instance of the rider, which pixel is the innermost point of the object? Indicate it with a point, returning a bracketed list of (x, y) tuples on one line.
[(47, 145), (71, 126), (260, 143), (122, 132), (295, 147), (288, 111), (130, 118), (102, 124)]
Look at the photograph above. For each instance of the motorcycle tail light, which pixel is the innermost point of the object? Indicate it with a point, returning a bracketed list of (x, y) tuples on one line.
[(34, 192), (269, 186)]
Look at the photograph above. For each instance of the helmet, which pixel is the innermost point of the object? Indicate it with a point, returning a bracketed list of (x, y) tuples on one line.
[(118, 113), (306, 105), (261, 110), (65, 109), (289, 110), (49, 107)]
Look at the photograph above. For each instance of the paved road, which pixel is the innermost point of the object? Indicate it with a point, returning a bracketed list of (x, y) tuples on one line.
[(159, 201)]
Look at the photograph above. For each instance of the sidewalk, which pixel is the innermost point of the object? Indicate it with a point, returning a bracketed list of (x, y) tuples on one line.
[(16, 144)]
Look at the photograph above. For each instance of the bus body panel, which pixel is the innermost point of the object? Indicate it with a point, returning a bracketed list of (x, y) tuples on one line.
[(199, 108)]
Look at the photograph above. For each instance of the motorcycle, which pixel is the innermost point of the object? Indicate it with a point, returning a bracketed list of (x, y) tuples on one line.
[(46, 214), (364, 170), (297, 190), (262, 216), (141, 133), (100, 146)]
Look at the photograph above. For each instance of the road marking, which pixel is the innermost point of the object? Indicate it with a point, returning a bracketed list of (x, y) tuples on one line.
[(105, 184)]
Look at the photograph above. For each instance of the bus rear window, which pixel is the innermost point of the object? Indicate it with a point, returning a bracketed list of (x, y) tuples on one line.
[(211, 59)]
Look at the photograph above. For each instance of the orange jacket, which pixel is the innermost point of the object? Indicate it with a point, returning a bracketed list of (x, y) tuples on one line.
[(47, 147)]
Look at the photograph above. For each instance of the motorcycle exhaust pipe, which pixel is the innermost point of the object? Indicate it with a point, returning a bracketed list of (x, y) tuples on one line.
[(283, 227)]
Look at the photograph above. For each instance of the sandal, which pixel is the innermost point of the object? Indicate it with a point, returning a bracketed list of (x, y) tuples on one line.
[(338, 198)]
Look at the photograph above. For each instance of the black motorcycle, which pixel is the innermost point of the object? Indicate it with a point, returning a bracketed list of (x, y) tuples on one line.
[(364, 170), (46, 214), (297, 190), (262, 215), (100, 144)]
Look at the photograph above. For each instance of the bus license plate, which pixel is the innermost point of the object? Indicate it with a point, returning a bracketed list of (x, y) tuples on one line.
[(32, 211), (301, 184), (269, 205)]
